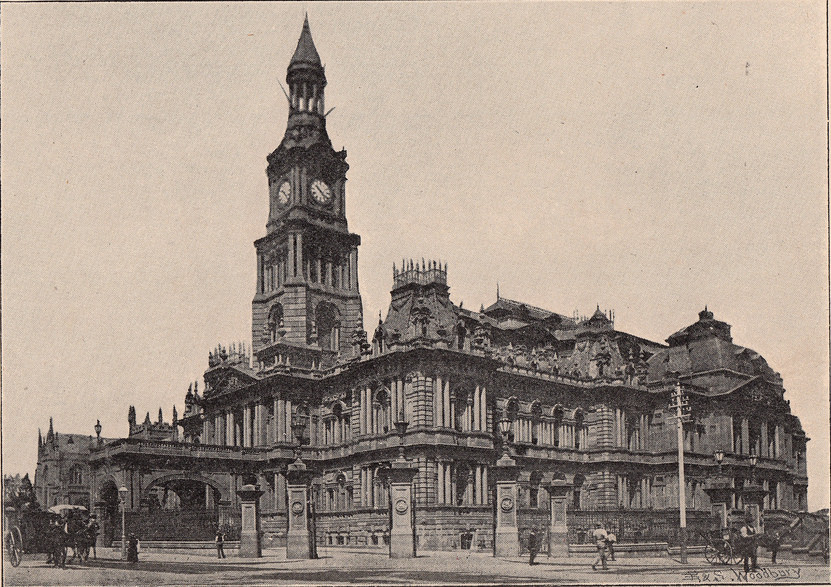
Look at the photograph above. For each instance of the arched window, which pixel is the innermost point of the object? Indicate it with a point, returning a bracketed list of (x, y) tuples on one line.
[(461, 334), (327, 322), (579, 430), (76, 475), (464, 489), (381, 405), (463, 414), (536, 414), (576, 492), (275, 322), (557, 413)]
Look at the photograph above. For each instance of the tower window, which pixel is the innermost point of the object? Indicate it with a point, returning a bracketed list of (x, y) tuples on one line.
[(275, 322)]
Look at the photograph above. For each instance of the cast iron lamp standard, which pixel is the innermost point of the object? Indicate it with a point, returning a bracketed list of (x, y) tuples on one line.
[(507, 536), (300, 538), (122, 494), (402, 507), (753, 460), (97, 428)]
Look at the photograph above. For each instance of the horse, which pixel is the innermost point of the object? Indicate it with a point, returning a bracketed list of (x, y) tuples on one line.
[(54, 542)]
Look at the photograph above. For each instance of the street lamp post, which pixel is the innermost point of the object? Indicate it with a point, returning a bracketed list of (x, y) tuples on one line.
[(753, 460), (507, 536), (97, 428), (680, 404), (402, 504), (505, 430), (122, 493)]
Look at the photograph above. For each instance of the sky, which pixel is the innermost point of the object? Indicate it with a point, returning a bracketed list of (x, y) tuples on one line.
[(650, 158)]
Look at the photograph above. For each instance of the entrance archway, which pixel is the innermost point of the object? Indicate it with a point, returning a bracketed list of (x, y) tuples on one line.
[(177, 507)]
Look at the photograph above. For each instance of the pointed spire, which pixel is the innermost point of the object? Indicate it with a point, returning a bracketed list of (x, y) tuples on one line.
[(51, 429), (497, 291), (161, 419), (305, 53), (147, 418), (40, 439), (175, 414)]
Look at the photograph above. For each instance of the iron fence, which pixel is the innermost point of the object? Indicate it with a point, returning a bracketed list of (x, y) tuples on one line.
[(631, 526)]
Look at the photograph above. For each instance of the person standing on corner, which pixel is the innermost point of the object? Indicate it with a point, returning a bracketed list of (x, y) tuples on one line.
[(220, 540), (93, 530), (533, 546), (600, 536), (748, 537), (132, 549)]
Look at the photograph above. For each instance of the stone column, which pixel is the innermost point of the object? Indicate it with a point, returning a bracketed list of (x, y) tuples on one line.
[(558, 532), (289, 436), (477, 409), (446, 421), (484, 484), (394, 400), (439, 482), (483, 404), (745, 437), (448, 482), (246, 426), (507, 535), (401, 533), (438, 402), (250, 538), (298, 539), (229, 425)]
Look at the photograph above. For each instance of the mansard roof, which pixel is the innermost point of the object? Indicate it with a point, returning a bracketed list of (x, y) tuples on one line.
[(520, 310), (706, 347)]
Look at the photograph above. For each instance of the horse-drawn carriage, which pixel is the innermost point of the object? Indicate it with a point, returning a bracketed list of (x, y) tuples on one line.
[(53, 532), (728, 547)]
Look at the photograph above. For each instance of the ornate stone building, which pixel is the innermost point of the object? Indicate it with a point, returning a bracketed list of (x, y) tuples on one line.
[(588, 403), (63, 468)]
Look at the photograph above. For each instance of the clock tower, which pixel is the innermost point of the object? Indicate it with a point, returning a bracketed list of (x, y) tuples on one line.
[(307, 307)]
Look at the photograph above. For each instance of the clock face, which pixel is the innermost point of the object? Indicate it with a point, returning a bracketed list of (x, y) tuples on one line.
[(284, 193), (321, 192)]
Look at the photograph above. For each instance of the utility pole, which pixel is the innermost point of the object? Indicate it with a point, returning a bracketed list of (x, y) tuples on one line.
[(681, 406)]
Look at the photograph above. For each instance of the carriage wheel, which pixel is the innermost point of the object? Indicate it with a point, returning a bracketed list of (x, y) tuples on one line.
[(711, 554), (726, 553), (14, 546)]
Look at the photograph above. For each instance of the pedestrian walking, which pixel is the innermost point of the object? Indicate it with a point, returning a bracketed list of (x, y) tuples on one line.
[(600, 536), (533, 546), (748, 538), (220, 541), (610, 543)]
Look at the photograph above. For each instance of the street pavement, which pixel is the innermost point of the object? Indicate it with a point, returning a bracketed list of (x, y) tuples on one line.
[(339, 567)]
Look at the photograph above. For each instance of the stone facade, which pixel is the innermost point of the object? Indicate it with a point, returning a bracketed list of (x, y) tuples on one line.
[(588, 404), (63, 474)]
